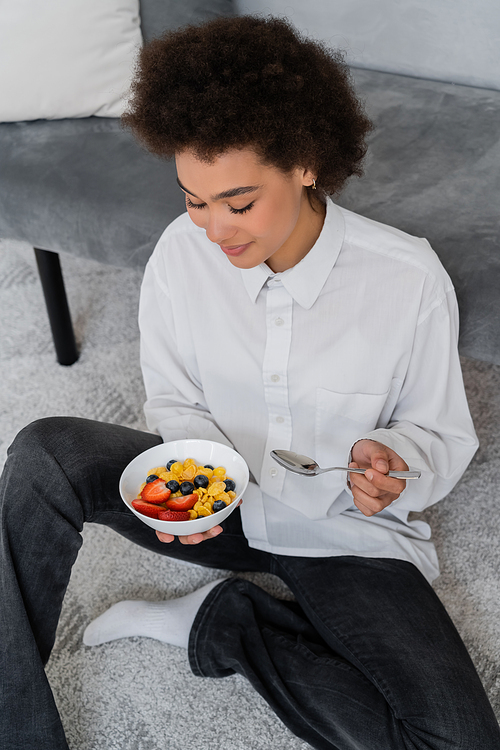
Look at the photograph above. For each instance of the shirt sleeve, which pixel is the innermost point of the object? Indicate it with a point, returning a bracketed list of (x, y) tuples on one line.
[(431, 427), (175, 403)]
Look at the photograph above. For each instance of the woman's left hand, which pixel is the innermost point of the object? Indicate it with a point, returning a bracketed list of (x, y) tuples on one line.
[(374, 490)]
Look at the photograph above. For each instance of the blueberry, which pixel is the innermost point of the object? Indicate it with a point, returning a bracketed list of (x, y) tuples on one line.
[(173, 485), (209, 466), (151, 478), (218, 505), (173, 461), (187, 488), (230, 485), (200, 480)]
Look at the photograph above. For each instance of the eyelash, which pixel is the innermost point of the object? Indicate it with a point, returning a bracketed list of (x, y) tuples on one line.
[(190, 204)]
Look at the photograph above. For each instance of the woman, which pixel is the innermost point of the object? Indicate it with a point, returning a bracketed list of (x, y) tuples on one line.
[(271, 318)]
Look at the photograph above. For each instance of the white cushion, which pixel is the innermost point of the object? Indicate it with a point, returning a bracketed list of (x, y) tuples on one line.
[(66, 58)]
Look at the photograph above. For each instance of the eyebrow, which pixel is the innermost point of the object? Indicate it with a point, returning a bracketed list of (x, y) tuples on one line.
[(232, 193)]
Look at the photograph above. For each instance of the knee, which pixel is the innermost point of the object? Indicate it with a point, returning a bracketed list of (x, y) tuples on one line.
[(41, 430), (43, 450), (43, 436), (34, 470)]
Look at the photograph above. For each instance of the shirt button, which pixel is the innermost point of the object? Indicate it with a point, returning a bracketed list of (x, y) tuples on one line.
[(273, 472), (280, 420), (275, 378), (279, 321)]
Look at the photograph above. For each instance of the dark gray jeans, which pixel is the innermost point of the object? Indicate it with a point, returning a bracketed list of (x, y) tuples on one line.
[(366, 658)]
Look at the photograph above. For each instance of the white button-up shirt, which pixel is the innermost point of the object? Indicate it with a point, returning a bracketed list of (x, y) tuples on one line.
[(358, 340)]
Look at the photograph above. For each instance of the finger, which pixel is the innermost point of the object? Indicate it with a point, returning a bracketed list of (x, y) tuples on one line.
[(384, 483), (353, 478), (371, 488), (380, 461), (359, 480), (383, 459), (197, 538), (377, 456), (368, 505), (213, 532), (375, 484), (165, 537), (367, 497), (191, 539)]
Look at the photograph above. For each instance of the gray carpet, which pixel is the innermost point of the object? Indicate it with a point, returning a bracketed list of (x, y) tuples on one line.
[(137, 694)]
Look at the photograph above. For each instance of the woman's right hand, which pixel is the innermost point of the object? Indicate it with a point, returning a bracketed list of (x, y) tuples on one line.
[(193, 538)]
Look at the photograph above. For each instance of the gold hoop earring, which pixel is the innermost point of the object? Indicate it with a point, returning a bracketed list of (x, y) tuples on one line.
[(313, 186)]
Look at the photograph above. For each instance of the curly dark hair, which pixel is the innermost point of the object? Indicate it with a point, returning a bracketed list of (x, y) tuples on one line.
[(250, 82)]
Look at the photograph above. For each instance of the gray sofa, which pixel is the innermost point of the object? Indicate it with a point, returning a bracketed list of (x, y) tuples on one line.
[(84, 186)]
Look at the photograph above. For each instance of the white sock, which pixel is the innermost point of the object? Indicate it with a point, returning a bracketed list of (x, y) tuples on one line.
[(169, 621)]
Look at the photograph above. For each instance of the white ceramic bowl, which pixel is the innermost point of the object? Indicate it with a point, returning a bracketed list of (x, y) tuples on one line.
[(203, 451)]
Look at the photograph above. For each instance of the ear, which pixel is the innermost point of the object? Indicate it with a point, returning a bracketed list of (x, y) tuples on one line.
[(308, 177)]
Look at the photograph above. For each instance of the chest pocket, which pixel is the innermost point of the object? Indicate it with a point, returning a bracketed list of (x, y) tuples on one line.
[(341, 419)]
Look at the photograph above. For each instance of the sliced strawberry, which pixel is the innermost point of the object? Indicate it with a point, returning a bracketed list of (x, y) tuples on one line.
[(182, 503), (147, 509), (155, 492), (173, 515)]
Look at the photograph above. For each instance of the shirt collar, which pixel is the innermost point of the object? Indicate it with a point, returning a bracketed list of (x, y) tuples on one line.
[(304, 281)]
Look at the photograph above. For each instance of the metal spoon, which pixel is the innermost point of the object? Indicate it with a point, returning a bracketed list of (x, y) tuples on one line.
[(304, 465)]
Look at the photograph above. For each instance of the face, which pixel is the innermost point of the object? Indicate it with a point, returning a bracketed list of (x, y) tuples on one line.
[(254, 213)]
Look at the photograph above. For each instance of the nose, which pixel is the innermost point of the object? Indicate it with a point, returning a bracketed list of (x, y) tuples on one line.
[(218, 228)]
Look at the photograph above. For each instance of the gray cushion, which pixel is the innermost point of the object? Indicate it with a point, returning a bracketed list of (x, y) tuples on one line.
[(84, 186), (159, 15)]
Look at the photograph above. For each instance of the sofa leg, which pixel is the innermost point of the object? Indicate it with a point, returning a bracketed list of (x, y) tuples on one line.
[(54, 292)]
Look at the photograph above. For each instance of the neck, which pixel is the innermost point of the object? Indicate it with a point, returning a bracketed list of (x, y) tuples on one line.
[(306, 232)]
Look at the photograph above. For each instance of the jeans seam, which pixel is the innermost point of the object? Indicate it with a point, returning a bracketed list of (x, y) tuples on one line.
[(54, 458)]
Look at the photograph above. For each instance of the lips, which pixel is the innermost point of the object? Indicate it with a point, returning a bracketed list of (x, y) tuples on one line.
[(234, 250)]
